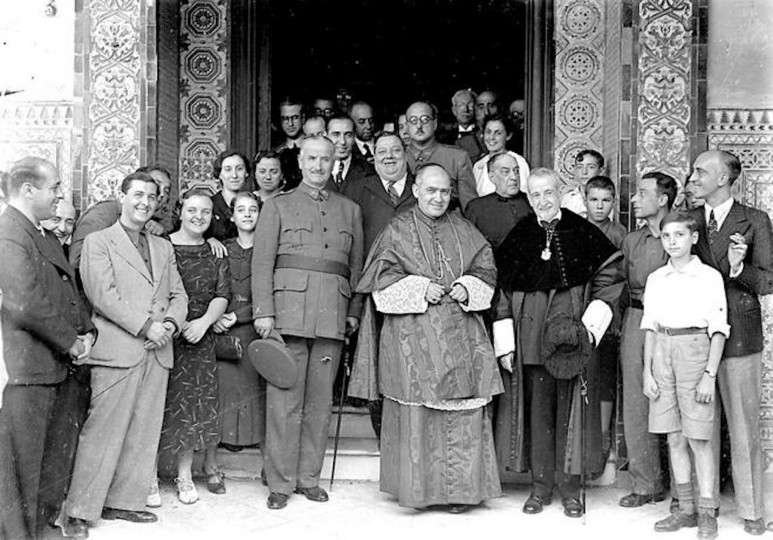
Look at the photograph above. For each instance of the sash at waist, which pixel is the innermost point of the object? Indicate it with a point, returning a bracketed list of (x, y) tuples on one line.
[(313, 264)]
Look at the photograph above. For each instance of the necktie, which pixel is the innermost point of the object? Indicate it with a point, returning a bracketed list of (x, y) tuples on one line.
[(713, 228), (392, 191), (367, 154), (339, 177)]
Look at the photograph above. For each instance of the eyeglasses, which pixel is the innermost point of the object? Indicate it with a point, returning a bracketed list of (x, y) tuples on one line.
[(291, 119), (424, 119)]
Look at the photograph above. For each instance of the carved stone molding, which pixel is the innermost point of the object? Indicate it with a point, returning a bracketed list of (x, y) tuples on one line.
[(663, 112), (579, 80), (203, 88), (41, 129)]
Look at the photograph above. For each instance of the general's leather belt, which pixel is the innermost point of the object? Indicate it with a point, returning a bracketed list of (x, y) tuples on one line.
[(681, 331), (313, 264)]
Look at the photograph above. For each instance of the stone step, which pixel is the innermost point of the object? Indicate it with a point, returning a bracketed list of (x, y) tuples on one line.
[(358, 459), (355, 423)]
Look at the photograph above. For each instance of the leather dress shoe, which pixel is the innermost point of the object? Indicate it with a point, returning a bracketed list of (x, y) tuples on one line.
[(75, 528), (572, 507), (135, 516), (277, 501), (316, 493), (635, 500), (534, 504), (676, 521), (754, 526)]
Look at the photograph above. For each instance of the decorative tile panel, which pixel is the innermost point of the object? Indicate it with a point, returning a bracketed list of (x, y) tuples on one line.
[(748, 134), (114, 94), (664, 67), (40, 129), (204, 65), (579, 77)]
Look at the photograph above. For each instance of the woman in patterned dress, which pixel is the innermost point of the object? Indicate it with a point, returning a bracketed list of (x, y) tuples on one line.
[(191, 419), (242, 390)]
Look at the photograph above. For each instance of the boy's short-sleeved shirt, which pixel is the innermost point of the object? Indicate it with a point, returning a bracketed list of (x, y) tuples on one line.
[(691, 297)]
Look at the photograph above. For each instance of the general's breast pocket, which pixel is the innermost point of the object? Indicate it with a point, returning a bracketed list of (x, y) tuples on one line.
[(346, 238), (296, 233)]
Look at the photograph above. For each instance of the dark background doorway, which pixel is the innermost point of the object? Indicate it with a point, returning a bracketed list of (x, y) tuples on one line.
[(393, 52)]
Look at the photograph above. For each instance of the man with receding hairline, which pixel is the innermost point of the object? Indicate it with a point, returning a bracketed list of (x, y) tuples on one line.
[(737, 240), (45, 329), (430, 274)]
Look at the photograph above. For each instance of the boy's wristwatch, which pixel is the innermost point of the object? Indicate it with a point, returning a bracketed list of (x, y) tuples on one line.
[(709, 373)]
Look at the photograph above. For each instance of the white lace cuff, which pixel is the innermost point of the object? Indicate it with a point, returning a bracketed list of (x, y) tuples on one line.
[(504, 337), (479, 293), (405, 296)]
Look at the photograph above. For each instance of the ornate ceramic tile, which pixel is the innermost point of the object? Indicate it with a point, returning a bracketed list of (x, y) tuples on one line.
[(203, 88), (664, 87), (748, 134), (115, 83), (579, 77), (38, 129)]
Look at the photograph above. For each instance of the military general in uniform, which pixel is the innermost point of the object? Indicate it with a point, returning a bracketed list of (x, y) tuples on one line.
[(307, 259)]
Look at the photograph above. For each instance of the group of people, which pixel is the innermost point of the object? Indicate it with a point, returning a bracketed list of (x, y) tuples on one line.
[(488, 307)]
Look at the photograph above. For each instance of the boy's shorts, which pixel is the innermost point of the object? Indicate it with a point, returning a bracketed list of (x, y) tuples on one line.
[(678, 363)]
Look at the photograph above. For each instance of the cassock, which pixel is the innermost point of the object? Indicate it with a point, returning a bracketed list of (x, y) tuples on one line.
[(433, 363), (548, 277), (495, 216)]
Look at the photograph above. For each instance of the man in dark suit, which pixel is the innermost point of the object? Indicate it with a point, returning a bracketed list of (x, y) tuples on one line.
[(463, 109), (364, 130), (45, 327), (737, 240), (388, 192), (291, 120), (347, 167), (497, 213)]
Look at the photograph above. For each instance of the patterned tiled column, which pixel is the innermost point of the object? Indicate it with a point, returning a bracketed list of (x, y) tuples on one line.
[(748, 134), (114, 118), (664, 70), (579, 80), (204, 66)]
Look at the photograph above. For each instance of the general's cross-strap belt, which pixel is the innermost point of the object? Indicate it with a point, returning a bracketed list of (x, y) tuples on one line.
[(681, 331), (313, 264)]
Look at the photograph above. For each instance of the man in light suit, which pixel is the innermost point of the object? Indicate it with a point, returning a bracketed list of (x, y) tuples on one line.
[(306, 261), (737, 240), (131, 280), (44, 327)]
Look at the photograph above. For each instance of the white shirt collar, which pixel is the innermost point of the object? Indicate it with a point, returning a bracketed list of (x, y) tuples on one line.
[(691, 268), (720, 211), (399, 185)]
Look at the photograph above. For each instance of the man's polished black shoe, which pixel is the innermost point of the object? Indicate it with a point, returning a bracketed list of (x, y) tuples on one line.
[(534, 504), (572, 507), (75, 528), (135, 516), (635, 500), (277, 501), (316, 493)]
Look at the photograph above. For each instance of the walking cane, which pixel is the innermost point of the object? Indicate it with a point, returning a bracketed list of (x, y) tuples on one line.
[(583, 440), (345, 356)]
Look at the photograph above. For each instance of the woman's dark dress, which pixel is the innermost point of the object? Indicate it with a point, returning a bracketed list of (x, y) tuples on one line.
[(191, 413), (242, 390)]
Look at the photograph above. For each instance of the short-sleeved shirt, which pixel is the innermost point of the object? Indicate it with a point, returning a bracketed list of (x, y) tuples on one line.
[(643, 253), (690, 297)]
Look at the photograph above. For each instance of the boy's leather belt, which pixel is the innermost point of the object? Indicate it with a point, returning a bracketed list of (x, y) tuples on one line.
[(691, 330)]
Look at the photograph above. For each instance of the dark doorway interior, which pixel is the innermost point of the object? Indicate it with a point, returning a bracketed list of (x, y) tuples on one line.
[(393, 52)]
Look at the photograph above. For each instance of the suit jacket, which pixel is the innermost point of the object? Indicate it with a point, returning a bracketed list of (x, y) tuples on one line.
[(472, 143), (358, 170), (377, 208), (756, 278), (317, 226), (125, 295), (42, 312)]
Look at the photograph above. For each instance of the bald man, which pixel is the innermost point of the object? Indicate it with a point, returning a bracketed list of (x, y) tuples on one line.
[(737, 240)]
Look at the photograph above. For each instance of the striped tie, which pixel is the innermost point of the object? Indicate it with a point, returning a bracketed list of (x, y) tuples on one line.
[(713, 228), (392, 191)]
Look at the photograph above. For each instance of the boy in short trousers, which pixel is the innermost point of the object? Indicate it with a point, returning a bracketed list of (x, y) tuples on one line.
[(685, 318)]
